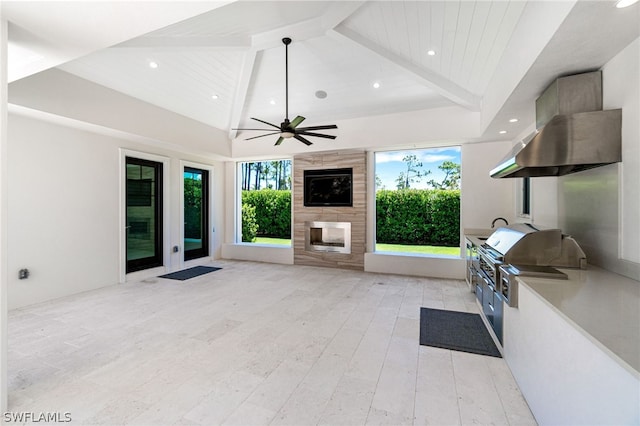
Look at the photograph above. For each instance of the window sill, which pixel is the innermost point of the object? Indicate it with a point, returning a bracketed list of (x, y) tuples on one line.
[(418, 255), (242, 244)]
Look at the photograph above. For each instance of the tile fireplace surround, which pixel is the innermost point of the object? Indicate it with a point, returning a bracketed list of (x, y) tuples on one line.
[(355, 215)]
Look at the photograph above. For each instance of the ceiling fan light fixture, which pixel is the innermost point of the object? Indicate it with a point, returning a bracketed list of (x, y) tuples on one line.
[(287, 135)]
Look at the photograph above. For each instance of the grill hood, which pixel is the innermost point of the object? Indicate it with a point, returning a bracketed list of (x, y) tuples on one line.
[(573, 132), (526, 244)]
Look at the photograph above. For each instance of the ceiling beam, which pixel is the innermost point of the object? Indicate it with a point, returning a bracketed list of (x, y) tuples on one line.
[(297, 32), (338, 12), (429, 78), (187, 42), (316, 27), (242, 88)]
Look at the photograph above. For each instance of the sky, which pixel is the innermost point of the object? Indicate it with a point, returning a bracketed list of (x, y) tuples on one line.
[(389, 164)]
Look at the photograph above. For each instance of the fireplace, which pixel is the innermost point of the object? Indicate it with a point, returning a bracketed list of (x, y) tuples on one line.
[(332, 237)]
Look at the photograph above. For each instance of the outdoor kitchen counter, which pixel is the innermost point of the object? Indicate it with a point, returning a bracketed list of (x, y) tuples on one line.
[(478, 236), (572, 346), (603, 306)]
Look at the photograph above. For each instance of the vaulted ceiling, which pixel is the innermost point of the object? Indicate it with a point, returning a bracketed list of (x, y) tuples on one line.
[(488, 57)]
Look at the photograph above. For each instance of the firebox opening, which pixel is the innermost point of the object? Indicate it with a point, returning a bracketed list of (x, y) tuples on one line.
[(333, 237), (328, 236)]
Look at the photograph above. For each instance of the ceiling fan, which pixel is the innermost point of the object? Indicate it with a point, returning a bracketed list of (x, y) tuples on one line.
[(289, 129)]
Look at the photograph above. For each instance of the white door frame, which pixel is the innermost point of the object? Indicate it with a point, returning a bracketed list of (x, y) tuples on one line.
[(210, 230), (166, 219)]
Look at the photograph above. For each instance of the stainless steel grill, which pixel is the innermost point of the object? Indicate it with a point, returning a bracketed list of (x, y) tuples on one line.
[(517, 250)]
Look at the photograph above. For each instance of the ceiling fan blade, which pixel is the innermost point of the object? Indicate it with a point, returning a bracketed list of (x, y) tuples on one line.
[(264, 130), (261, 136), (265, 122), (319, 135), (328, 126), (294, 123), (279, 141), (303, 140)]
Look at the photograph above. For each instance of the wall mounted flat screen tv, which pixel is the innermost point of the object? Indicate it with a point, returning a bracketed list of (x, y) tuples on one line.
[(328, 187)]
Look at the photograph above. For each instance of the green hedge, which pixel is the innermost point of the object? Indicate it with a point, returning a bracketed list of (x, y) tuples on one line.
[(249, 225), (418, 217), (273, 211), (408, 216)]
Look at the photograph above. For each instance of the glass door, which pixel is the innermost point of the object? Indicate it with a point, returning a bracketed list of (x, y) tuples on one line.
[(144, 214), (196, 213)]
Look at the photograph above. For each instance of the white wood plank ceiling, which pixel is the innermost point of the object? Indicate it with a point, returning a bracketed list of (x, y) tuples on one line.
[(466, 37), (381, 41), (233, 50)]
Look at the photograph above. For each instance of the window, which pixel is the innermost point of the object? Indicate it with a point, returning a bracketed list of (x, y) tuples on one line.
[(265, 195), (523, 198), (418, 201)]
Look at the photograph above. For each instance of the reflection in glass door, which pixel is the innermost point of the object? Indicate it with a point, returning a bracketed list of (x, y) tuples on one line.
[(144, 214), (196, 213)]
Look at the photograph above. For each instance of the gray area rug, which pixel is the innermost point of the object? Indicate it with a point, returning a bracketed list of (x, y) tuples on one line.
[(185, 274)]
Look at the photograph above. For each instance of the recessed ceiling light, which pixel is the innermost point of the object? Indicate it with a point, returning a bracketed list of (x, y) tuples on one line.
[(321, 94), (431, 52), (513, 120), (214, 96), (272, 102), (502, 132), (625, 3), (376, 85), (153, 64)]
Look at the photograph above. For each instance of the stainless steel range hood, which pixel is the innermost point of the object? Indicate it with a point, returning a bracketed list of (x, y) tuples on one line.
[(574, 133)]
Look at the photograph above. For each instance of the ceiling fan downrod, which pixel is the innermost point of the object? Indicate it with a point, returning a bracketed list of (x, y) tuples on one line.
[(287, 42)]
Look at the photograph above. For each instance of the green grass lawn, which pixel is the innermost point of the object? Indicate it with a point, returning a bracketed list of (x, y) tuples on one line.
[(448, 251), (278, 241), (399, 248)]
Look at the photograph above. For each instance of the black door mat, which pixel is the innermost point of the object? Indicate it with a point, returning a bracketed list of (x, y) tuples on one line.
[(459, 331), (185, 274)]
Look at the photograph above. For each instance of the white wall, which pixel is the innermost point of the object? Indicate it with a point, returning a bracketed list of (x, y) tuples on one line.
[(64, 208), (621, 87), (544, 201), (485, 198), (65, 95), (4, 37), (412, 129)]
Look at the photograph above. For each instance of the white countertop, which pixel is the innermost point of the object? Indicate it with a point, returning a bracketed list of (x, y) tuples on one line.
[(602, 305)]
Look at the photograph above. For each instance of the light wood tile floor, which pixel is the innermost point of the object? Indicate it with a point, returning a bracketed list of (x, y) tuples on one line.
[(256, 344)]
